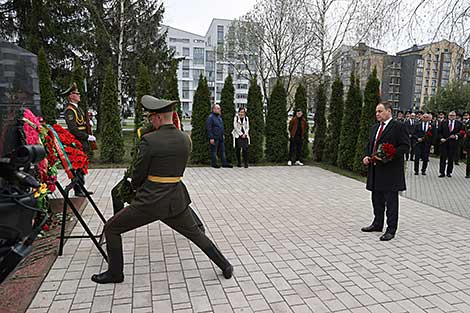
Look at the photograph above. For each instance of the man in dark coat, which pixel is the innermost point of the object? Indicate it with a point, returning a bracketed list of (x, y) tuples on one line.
[(215, 131), (449, 141), (466, 143), (161, 195), (422, 135), (409, 125), (297, 127), (385, 178), (76, 125)]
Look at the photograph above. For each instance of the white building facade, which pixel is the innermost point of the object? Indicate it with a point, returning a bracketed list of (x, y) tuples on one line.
[(204, 55)]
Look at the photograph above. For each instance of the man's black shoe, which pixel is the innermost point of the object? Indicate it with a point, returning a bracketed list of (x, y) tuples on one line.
[(239, 165), (246, 165), (457, 163), (387, 237), (228, 166), (215, 166), (449, 175), (107, 278), (423, 173), (467, 176), (442, 175), (416, 173), (228, 272), (371, 228)]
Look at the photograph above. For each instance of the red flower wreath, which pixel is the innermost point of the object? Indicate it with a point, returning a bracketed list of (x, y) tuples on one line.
[(73, 148)]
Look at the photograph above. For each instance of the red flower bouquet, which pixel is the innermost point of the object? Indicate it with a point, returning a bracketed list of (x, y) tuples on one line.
[(385, 153), (73, 148), (462, 133)]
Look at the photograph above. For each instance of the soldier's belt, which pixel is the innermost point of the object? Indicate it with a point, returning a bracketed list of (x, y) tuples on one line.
[(81, 127), (164, 180)]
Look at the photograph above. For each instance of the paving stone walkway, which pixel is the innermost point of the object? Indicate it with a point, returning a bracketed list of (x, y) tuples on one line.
[(293, 235), (449, 194)]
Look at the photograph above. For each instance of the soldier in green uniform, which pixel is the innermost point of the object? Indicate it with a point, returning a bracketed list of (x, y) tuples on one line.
[(161, 195), (76, 124)]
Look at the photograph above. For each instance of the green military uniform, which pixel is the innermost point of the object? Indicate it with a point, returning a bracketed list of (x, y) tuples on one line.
[(161, 195), (76, 125)]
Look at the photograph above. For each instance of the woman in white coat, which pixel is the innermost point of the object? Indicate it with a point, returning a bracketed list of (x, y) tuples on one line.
[(241, 137)]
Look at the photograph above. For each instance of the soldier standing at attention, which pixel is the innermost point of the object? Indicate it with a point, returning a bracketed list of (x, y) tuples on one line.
[(161, 195), (76, 124)]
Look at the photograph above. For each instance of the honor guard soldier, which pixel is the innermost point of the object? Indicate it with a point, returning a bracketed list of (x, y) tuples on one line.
[(160, 193), (77, 126)]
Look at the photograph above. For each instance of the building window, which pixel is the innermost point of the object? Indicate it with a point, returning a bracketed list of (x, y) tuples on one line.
[(185, 94), (220, 75), (185, 106), (186, 51), (186, 40), (220, 33), (198, 56)]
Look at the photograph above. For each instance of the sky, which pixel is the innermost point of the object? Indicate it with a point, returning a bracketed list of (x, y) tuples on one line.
[(196, 15)]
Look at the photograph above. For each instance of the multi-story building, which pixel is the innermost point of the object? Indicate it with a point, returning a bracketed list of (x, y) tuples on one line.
[(426, 68), (409, 79), (466, 71), (204, 55)]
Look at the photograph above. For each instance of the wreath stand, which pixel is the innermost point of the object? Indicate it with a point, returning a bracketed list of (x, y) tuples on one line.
[(97, 239)]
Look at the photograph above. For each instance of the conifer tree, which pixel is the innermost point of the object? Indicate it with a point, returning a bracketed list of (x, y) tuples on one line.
[(48, 100), (349, 125), (171, 88), (201, 110), (112, 145), (256, 118), (371, 99), (78, 76), (276, 125), (320, 123), (335, 117), (144, 87), (301, 104), (228, 110)]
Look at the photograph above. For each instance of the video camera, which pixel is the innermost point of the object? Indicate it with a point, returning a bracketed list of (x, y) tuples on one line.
[(19, 88)]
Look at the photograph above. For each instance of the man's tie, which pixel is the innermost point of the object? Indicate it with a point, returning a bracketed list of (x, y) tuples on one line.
[(451, 126), (381, 130)]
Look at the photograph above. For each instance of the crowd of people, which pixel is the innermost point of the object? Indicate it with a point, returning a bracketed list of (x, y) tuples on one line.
[(445, 135)]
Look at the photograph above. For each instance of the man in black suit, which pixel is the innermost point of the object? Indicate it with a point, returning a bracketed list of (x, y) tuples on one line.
[(409, 125), (422, 135), (441, 118), (449, 140), (385, 178)]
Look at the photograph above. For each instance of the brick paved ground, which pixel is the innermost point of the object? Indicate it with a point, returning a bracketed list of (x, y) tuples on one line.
[(450, 194), (294, 237)]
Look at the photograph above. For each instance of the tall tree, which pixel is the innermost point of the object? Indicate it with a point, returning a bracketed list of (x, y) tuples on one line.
[(48, 100), (201, 110), (301, 104), (143, 88), (227, 105), (371, 99), (348, 137), (256, 117), (276, 125), (112, 145), (171, 88), (320, 124), (454, 96), (79, 77), (335, 117)]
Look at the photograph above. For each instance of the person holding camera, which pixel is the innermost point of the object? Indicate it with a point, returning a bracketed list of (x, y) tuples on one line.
[(77, 126)]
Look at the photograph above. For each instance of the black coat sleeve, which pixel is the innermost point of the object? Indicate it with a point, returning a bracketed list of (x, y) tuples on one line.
[(403, 142)]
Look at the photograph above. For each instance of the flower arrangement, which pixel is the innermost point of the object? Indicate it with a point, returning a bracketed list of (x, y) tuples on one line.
[(73, 148), (385, 153)]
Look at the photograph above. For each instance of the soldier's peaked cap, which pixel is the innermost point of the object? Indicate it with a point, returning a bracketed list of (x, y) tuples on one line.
[(72, 88), (156, 105)]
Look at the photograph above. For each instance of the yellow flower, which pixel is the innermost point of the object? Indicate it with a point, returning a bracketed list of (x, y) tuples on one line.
[(43, 188)]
